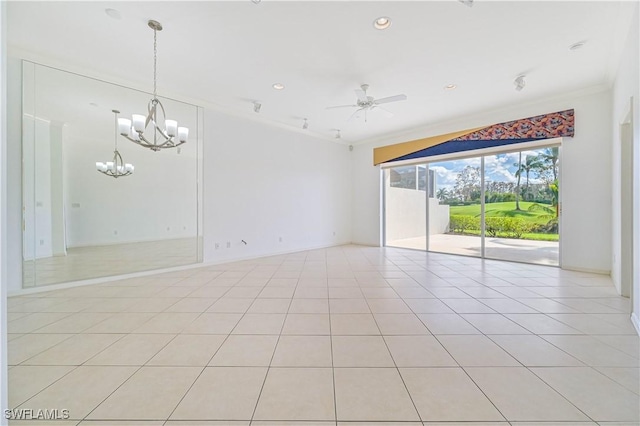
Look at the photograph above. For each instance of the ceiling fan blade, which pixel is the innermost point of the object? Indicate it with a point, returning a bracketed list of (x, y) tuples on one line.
[(356, 114), (395, 98), (362, 96), (342, 106), (384, 111)]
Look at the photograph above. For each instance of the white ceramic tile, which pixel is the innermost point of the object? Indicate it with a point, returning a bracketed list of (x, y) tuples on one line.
[(213, 323), (367, 394), (400, 324), (243, 350), (75, 350), (286, 395), (533, 351), (360, 351), (521, 396), (353, 324), (447, 324), (306, 324), (494, 324), (476, 351), (303, 351), (26, 381), (188, 350), (260, 324), (605, 401), (447, 394), (592, 351), (81, 390), (222, 393), (150, 394)]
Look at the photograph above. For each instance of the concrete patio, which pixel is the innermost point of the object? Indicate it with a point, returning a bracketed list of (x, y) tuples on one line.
[(539, 252)]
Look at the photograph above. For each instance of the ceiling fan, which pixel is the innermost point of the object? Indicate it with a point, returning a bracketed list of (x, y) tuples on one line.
[(369, 103)]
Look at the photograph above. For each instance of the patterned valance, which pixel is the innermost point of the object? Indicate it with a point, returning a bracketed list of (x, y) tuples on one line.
[(546, 126)]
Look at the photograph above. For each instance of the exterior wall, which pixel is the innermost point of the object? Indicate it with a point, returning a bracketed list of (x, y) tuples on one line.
[(406, 214)]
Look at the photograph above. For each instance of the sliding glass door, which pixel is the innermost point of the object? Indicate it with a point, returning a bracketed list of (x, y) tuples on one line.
[(521, 206), (500, 206), (455, 211), (405, 207)]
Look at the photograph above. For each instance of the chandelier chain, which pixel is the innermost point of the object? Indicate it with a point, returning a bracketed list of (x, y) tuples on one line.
[(155, 62)]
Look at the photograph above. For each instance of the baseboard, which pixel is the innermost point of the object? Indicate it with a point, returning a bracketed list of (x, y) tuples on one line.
[(636, 322), (587, 270)]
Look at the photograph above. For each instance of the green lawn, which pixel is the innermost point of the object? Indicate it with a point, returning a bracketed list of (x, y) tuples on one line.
[(507, 209)]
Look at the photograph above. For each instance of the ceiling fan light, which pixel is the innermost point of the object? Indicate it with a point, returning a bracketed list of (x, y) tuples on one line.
[(278, 86), (382, 23)]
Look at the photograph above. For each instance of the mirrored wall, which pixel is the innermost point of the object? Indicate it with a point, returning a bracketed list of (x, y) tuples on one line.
[(79, 223)]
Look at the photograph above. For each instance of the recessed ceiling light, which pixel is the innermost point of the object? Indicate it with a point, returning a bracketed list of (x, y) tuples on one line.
[(278, 86), (578, 45), (112, 13), (382, 23), (450, 87)]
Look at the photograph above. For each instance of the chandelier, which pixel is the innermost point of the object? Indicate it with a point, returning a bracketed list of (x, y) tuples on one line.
[(117, 167), (171, 135)]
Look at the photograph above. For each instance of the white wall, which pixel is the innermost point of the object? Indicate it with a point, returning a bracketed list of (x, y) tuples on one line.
[(262, 183), (586, 176), (3, 202), (626, 87)]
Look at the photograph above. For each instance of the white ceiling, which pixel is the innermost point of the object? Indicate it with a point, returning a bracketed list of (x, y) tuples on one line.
[(230, 53)]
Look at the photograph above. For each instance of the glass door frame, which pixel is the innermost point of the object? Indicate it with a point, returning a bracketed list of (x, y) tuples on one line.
[(481, 153)]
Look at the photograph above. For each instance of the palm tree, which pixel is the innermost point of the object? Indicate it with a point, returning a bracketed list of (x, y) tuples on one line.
[(530, 163), (550, 156), (518, 175), (442, 194)]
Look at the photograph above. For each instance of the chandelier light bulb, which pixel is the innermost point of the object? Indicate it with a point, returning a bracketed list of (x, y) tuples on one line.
[(117, 168)]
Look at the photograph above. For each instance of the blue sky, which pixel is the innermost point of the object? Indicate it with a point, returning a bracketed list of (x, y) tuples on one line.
[(498, 168)]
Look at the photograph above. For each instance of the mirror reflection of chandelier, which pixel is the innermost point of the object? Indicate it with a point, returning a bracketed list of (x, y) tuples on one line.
[(162, 137), (117, 167)]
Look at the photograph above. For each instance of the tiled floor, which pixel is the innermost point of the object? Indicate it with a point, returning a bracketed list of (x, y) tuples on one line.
[(343, 336)]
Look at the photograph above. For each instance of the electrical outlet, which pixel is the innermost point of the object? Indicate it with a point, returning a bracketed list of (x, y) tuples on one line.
[(228, 244), (41, 242), (334, 233), (280, 239)]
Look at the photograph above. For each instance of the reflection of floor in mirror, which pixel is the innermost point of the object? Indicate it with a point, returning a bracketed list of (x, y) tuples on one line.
[(83, 263), (347, 335), (528, 251)]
